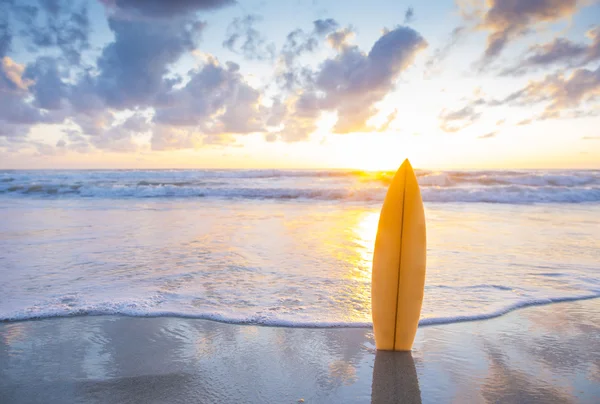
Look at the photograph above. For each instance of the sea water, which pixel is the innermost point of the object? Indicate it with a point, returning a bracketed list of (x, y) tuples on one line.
[(290, 248)]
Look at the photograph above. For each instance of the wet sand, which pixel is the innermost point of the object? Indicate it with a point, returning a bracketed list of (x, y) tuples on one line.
[(540, 354)]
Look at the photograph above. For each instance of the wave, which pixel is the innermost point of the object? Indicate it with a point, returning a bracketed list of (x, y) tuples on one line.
[(495, 194), (512, 187), (505, 310), (131, 309)]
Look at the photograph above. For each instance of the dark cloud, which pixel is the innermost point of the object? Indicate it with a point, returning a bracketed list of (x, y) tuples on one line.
[(454, 121), (506, 20), (132, 68), (298, 42), (559, 51), (42, 25), (137, 123), (15, 112), (5, 35), (83, 96), (94, 123), (487, 135), (244, 39), (48, 88), (165, 9), (216, 100), (62, 24), (409, 15), (323, 27), (351, 83)]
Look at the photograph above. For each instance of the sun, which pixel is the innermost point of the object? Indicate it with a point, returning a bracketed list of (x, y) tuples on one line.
[(368, 151)]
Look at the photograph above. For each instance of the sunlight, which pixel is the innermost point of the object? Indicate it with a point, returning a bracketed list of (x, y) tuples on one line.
[(365, 231)]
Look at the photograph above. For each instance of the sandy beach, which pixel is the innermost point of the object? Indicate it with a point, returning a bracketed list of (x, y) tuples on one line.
[(539, 354)]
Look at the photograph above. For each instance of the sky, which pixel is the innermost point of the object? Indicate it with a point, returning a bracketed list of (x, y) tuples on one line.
[(466, 84)]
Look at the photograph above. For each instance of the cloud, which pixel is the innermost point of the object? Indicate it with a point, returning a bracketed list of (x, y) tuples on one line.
[(441, 53), (324, 27), (172, 138), (118, 139), (5, 33), (409, 15), (132, 68), (216, 100), (591, 138), (100, 132), (16, 114), (48, 24), (351, 83), (341, 38), (299, 115), (48, 89), (559, 51), (11, 76), (288, 73), (487, 135), (388, 121), (95, 123), (454, 121), (507, 20), (164, 9), (563, 95), (559, 91), (354, 81), (242, 38)]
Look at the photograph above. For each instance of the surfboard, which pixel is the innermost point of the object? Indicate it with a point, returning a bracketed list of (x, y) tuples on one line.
[(398, 277)]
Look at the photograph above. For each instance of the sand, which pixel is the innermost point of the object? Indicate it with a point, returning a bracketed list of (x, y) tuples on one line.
[(539, 354)]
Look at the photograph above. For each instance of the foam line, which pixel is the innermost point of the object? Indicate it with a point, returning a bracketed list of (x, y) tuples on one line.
[(262, 321)]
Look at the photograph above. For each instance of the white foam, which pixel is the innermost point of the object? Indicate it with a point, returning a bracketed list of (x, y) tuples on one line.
[(133, 309), (282, 264), (512, 187)]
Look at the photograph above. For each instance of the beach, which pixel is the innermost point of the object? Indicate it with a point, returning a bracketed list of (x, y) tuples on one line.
[(217, 286), (540, 354), (225, 201)]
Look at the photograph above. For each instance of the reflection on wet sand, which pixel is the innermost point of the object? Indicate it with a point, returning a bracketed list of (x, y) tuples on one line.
[(395, 378), (522, 357), (509, 385)]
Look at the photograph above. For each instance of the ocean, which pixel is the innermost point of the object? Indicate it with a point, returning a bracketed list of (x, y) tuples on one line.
[(287, 247)]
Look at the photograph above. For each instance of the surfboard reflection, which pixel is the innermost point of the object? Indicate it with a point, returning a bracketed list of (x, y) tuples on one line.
[(395, 378)]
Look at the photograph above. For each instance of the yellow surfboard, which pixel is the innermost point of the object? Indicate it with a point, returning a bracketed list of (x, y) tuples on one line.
[(398, 279)]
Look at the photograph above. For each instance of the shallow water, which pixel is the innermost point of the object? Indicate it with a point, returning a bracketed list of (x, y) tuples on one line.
[(302, 261), (536, 355)]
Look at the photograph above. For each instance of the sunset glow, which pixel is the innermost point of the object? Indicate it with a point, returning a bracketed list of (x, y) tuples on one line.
[(300, 85)]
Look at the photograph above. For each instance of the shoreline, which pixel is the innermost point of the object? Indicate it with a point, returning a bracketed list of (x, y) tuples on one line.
[(428, 322), (530, 355)]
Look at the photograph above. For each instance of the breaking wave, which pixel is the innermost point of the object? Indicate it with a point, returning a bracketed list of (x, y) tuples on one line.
[(513, 187)]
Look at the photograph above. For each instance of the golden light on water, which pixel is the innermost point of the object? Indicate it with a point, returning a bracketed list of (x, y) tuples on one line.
[(363, 238), (365, 231)]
